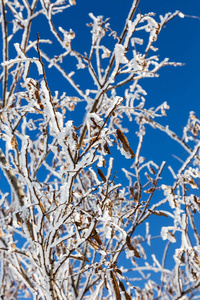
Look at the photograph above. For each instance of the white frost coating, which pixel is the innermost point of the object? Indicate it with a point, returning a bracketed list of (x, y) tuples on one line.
[(156, 261), (71, 2), (95, 117), (117, 100), (71, 74), (100, 161), (115, 187), (131, 28), (106, 218), (181, 15), (60, 119), (53, 172), (97, 30), (154, 48), (128, 176), (49, 108), (88, 159), (129, 253), (164, 18), (136, 41), (152, 28), (167, 235), (110, 168), (134, 93), (59, 241), (184, 221), (185, 244), (23, 56), (68, 36), (3, 198), (18, 60), (106, 51), (120, 54), (25, 142), (168, 192), (127, 154), (148, 236), (7, 138), (167, 17), (108, 231), (94, 176), (39, 66)]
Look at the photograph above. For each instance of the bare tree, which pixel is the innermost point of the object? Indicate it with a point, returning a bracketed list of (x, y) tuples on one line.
[(69, 225)]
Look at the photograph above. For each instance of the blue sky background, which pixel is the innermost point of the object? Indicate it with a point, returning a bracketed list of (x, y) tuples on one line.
[(179, 41), (180, 86)]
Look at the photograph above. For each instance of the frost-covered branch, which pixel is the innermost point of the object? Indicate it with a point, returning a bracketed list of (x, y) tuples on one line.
[(73, 225)]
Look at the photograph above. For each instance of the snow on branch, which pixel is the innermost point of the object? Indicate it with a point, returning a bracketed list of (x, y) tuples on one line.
[(88, 210)]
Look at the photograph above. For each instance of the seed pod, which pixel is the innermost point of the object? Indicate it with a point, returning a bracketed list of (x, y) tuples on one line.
[(130, 247), (115, 286), (125, 143), (106, 148), (122, 287), (101, 174), (13, 142)]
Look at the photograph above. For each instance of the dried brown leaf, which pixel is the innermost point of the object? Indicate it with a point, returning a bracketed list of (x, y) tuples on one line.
[(130, 247), (58, 252), (122, 287), (191, 182), (152, 171), (13, 247), (172, 235), (105, 282), (71, 106), (72, 2), (151, 190), (131, 192), (13, 142), (123, 139), (37, 95), (196, 259), (79, 257), (106, 148), (94, 245), (115, 286), (104, 162), (101, 174), (158, 213), (96, 237), (197, 200)]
